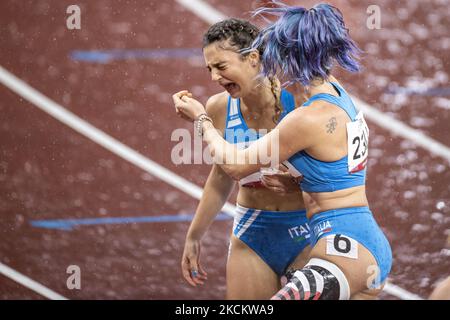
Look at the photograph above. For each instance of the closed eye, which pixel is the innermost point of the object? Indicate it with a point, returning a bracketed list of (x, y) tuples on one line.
[(221, 67)]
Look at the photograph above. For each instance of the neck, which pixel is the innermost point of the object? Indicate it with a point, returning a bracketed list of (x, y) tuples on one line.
[(319, 86), (260, 98)]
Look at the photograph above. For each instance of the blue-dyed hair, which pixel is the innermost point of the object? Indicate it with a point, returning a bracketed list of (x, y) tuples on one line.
[(303, 44)]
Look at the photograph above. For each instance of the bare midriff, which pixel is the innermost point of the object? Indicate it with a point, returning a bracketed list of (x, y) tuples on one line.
[(265, 199), (317, 202)]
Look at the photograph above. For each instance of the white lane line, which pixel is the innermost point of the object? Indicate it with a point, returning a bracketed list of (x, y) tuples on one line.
[(399, 128), (395, 126), (100, 137), (396, 291), (203, 10), (211, 16), (29, 283)]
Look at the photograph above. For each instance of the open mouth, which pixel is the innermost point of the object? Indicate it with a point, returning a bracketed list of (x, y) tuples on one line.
[(230, 86)]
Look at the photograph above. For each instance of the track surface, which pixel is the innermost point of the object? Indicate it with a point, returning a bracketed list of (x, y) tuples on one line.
[(48, 171)]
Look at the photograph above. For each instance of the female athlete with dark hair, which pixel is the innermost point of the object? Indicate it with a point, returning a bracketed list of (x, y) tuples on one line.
[(270, 232), (326, 140)]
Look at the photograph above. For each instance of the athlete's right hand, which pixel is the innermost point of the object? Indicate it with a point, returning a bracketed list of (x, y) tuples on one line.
[(181, 114), (186, 105), (190, 263), (281, 181)]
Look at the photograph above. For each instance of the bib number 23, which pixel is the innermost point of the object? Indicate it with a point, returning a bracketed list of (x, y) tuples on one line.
[(358, 143)]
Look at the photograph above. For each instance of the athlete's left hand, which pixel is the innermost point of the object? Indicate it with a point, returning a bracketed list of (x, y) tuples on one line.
[(186, 106)]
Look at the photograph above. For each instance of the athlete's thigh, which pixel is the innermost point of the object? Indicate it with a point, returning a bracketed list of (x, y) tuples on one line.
[(301, 260), (248, 276), (359, 266)]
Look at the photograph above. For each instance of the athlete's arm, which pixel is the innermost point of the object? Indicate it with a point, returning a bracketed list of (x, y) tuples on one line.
[(291, 135), (294, 133), (216, 192)]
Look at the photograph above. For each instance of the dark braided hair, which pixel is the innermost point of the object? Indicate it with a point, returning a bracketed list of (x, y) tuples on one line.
[(240, 34)]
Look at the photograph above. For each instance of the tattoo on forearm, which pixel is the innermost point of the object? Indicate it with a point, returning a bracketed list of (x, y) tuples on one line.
[(332, 124)]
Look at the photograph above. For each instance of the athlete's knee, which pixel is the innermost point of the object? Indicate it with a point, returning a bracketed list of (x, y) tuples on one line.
[(318, 280)]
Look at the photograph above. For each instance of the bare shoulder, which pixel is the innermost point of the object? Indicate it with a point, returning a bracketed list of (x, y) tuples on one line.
[(216, 108), (299, 122), (297, 131), (216, 104), (301, 118), (311, 122)]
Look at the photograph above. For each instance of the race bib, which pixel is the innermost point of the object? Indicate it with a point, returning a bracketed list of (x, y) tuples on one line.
[(357, 143)]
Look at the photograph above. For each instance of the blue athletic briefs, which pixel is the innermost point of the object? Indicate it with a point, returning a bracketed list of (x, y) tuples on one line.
[(278, 237)]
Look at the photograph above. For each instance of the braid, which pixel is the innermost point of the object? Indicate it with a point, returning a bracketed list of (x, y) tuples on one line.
[(276, 91)]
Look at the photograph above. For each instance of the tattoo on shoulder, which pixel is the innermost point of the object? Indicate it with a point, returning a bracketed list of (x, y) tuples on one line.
[(332, 124)]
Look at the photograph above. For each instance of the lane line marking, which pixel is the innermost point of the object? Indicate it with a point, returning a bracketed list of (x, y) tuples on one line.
[(400, 129), (84, 128), (428, 92), (29, 283), (396, 291), (89, 131), (107, 56), (202, 10), (70, 224)]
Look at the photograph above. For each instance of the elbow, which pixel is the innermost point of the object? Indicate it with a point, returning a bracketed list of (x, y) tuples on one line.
[(236, 172), (232, 163)]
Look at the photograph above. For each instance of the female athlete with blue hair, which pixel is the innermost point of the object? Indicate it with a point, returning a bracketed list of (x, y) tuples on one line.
[(326, 140)]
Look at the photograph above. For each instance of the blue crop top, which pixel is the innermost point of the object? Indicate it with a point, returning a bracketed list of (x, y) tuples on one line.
[(237, 131), (321, 176)]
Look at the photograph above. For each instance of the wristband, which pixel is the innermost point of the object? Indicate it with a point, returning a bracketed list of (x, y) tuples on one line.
[(199, 123)]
